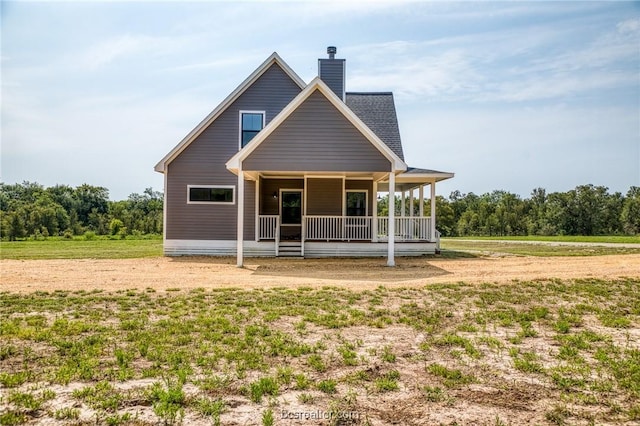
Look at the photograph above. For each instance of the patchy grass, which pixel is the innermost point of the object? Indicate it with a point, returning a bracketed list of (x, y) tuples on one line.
[(211, 357)]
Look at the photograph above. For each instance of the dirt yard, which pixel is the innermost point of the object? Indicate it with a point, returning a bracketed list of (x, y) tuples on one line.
[(193, 272)]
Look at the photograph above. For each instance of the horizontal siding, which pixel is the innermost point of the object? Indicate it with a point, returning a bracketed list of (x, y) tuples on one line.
[(203, 163), (316, 137), (324, 197)]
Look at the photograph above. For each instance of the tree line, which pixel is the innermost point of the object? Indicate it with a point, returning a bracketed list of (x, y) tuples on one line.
[(31, 210), (585, 210)]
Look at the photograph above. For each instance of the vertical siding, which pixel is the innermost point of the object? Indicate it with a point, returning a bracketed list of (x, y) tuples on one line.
[(324, 197), (364, 185), (332, 72), (317, 137), (203, 163)]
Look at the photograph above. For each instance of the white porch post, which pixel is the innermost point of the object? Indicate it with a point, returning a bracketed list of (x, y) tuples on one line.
[(402, 201), (433, 211), (421, 196), (392, 221), (257, 213), (411, 203), (240, 236), (374, 224)]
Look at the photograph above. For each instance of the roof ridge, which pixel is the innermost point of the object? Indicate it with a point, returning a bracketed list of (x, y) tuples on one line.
[(369, 93)]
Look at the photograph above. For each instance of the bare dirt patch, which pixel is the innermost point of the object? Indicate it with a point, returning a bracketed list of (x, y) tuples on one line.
[(356, 274)]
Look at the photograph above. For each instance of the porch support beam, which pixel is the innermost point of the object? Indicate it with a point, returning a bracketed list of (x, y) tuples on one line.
[(402, 201), (374, 213), (392, 221), (433, 210), (240, 236), (257, 213), (411, 202), (421, 196)]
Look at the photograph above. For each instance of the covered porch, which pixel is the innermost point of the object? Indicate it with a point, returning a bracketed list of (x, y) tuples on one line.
[(312, 215)]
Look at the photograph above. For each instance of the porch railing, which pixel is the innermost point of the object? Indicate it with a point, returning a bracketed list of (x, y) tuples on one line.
[(406, 228), (338, 228), (268, 225), (351, 228)]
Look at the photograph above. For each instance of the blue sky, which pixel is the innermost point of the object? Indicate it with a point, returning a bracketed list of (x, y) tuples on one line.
[(509, 95)]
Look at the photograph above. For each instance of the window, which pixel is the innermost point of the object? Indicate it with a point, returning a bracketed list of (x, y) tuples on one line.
[(251, 122), (356, 203), (210, 194)]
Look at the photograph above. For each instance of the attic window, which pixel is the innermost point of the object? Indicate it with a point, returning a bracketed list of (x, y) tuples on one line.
[(251, 122)]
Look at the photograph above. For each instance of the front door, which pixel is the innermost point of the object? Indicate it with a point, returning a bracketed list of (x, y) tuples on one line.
[(290, 214)]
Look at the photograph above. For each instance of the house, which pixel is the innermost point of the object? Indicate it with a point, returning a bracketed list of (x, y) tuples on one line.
[(282, 167)]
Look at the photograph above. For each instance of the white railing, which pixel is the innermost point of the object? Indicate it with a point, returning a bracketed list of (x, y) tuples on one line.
[(407, 228), (350, 228), (337, 228), (268, 227)]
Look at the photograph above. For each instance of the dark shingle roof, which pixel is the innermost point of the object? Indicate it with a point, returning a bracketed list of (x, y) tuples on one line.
[(378, 112)]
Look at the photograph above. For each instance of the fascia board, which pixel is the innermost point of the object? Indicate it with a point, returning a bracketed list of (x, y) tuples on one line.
[(274, 58), (316, 84)]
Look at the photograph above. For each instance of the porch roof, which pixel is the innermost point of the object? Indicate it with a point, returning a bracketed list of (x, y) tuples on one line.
[(415, 177)]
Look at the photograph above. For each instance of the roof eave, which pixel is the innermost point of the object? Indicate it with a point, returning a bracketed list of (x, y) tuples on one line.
[(274, 58), (234, 162)]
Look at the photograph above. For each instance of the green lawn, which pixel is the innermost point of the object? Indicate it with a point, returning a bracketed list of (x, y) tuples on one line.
[(540, 352), (54, 248), (491, 246), (630, 239)]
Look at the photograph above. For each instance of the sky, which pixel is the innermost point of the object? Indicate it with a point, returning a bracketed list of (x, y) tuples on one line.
[(507, 95)]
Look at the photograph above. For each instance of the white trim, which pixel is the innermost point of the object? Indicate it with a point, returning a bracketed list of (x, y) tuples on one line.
[(173, 247), (421, 196), (366, 200), (301, 191), (164, 208), (243, 111), (223, 203), (257, 210), (392, 221), (274, 58), (374, 229), (344, 197), (397, 165), (433, 211), (240, 227)]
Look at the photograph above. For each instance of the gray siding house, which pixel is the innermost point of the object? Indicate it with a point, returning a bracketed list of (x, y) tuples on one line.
[(285, 168)]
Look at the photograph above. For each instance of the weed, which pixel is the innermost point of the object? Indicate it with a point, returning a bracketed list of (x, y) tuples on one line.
[(302, 381), (306, 398), (211, 408), (267, 417), (168, 401), (388, 355), (316, 362), (261, 387), (327, 386), (67, 413), (451, 377), (433, 394), (388, 382)]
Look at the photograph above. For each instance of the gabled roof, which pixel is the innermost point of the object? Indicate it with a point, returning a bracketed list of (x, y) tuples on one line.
[(317, 84), (273, 59), (377, 110)]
